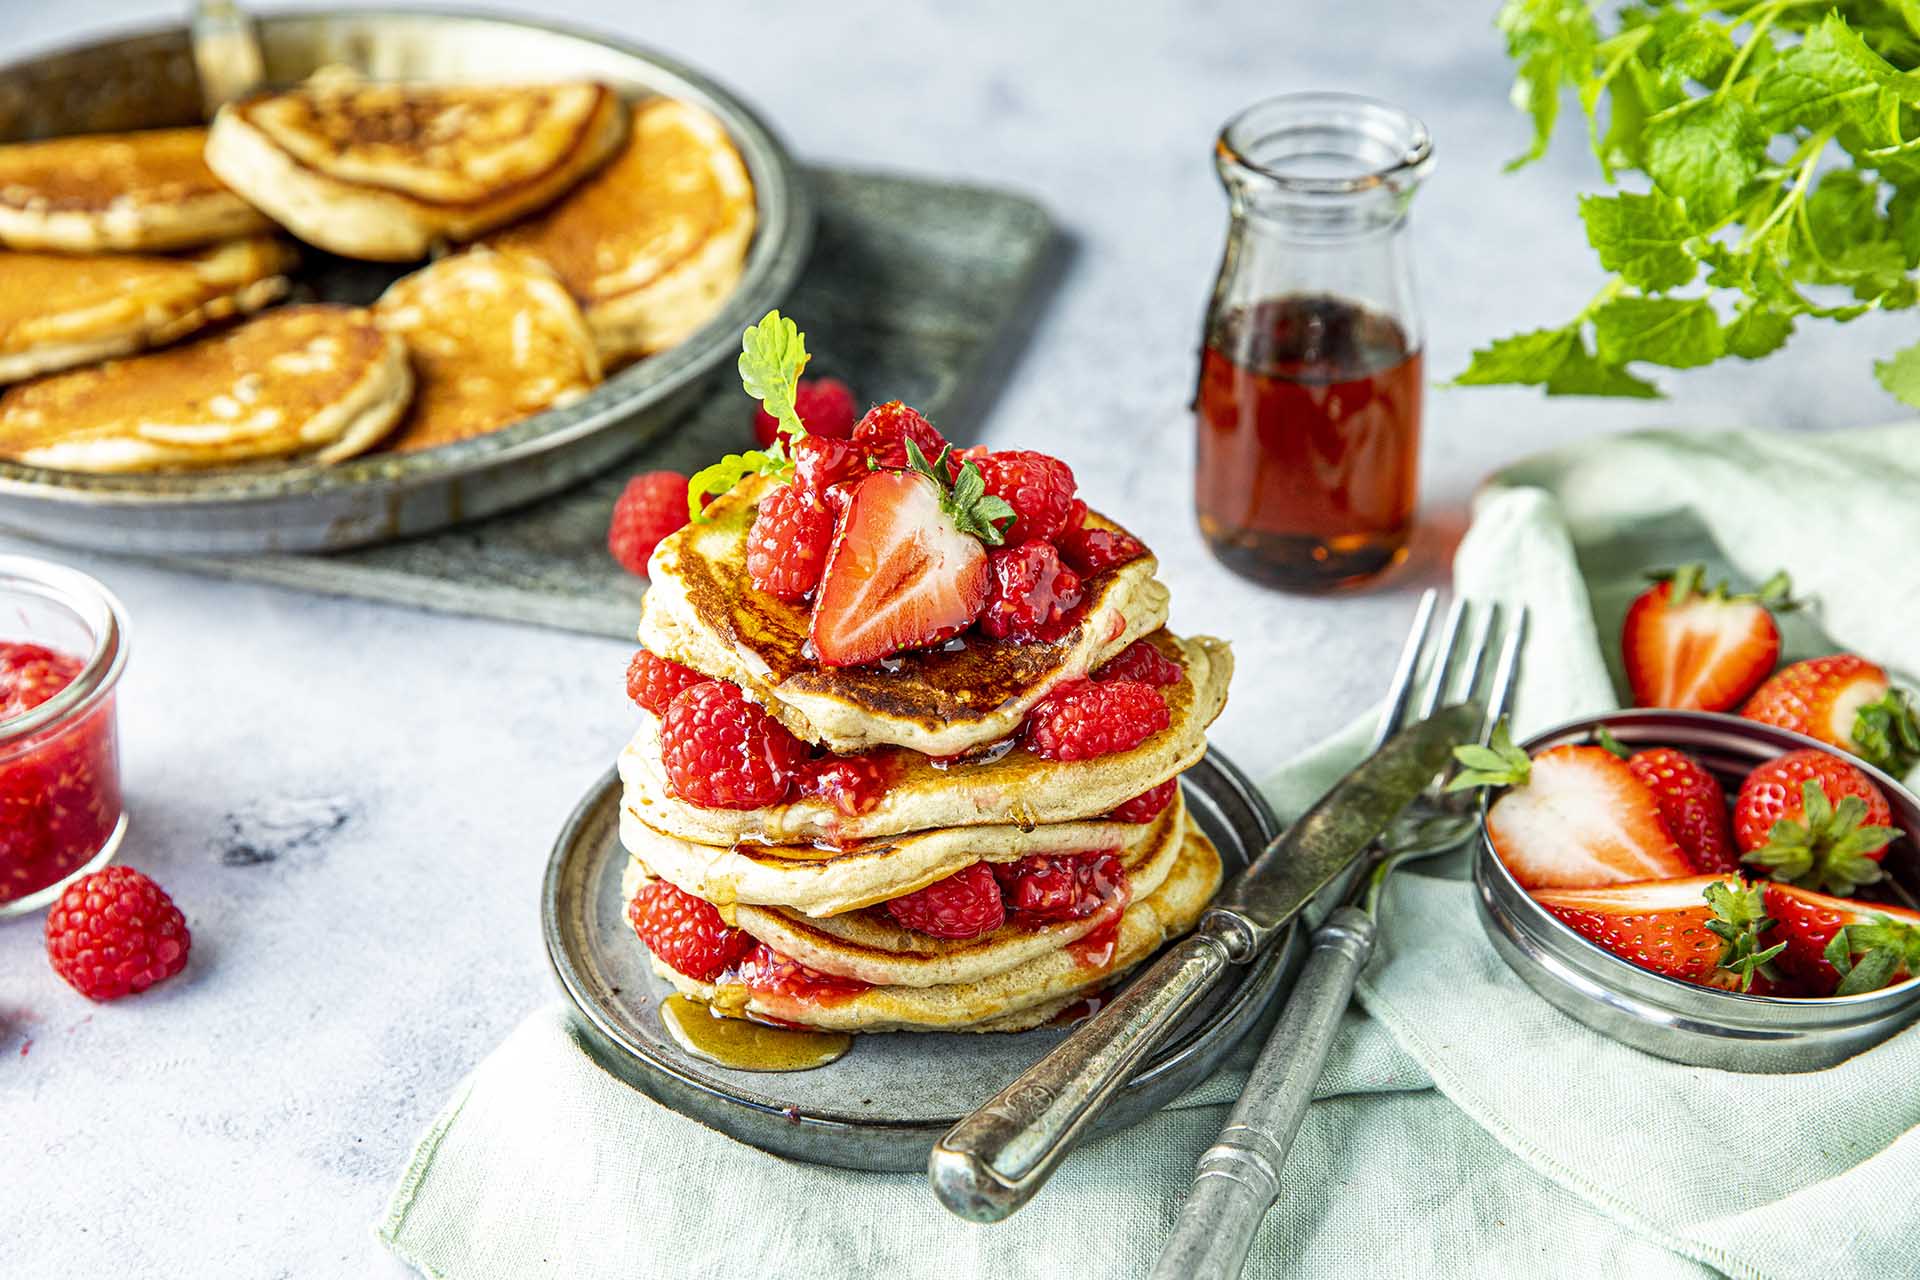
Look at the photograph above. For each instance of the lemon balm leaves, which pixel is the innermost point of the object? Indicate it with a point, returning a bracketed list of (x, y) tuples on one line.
[(1680, 333), (1556, 360), (1552, 41), (1706, 158), (1641, 238), (1901, 374)]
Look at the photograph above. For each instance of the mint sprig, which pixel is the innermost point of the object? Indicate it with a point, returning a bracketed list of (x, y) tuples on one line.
[(1780, 145), (773, 354)]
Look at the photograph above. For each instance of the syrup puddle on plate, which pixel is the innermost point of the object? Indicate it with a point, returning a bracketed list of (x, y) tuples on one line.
[(748, 1046)]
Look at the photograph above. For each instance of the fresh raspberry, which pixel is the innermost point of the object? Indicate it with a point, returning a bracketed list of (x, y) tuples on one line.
[(1148, 805), (1046, 887), (825, 406), (1029, 593), (883, 434), (820, 463), (652, 506), (722, 752), (1082, 719), (687, 934), (652, 681), (30, 674), (1091, 550), (788, 544), (1141, 661), (766, 970), (1039, 488), (852, 784), (114, 933), (964, 905)]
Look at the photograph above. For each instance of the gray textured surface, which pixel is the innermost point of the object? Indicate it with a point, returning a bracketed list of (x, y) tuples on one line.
[(397, 776)]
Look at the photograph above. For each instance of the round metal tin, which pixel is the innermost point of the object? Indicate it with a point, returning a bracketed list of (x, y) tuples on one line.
[(148, 81), (1679, 1020), (884, 1104)]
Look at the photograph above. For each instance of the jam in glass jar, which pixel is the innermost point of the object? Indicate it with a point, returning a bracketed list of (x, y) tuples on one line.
[(62, 649), (1308, 405)]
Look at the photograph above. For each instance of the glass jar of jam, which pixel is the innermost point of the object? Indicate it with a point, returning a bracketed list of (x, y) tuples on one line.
[(1308, 406), (62, 648)]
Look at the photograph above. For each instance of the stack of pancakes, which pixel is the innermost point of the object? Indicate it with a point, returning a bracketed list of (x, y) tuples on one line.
[(610, 232), (940, 730)]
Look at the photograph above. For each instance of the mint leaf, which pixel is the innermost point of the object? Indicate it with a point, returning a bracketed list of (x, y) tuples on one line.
[(1903, 214), (1581, 375), (1689, 46), (773, 354), (1757, 331), (1679, 333), (1525, 357), (1706, 158), (1642, 238), (1820, 83), (1901, 375), (1553, 42)]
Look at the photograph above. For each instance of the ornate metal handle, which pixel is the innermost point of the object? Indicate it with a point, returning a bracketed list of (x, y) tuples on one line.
[(1238, 1177), (993, 1161)]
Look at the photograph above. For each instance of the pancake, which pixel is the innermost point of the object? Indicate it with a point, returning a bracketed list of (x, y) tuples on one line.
[(388, 171), (1017, 788), (702, 610), (1021, 996), (819, 880), (310, 383), (653, 243), (58, 311), (139, 192), (493, 340)]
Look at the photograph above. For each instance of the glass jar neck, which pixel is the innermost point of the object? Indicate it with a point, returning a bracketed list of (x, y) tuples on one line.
[(1323, 166)]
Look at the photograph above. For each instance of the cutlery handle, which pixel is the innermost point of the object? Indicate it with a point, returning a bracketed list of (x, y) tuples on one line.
[(1238, 1177), (993, 1161)]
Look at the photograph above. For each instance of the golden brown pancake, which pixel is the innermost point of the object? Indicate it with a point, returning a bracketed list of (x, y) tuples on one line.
[(651, 244), (58, 310), (702, 610), (494, 339), (311, 383), (388, 171), (138, 192)]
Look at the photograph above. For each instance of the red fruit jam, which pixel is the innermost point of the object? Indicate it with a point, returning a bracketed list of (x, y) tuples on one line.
[(768, 972), (59, 781)]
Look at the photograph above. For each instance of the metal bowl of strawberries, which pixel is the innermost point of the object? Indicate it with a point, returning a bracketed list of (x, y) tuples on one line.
[(1705, 887)]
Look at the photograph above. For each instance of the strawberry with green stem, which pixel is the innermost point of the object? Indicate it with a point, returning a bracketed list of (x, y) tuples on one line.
[(1836, 946), (1811, 818), (1694, 647), (1847, 702), (1704, 929)]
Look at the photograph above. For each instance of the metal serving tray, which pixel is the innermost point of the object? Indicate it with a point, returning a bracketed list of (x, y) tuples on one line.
[(148, 81)]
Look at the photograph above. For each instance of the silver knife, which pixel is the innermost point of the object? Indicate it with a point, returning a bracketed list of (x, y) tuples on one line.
[(992, 1162)]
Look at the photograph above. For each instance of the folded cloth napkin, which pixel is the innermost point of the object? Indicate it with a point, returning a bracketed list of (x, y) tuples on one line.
[(1464, 1128)]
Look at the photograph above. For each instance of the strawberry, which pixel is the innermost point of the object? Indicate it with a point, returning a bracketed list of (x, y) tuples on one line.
[(1693, 807), (1812, 818), (1844, 701), (1696, 648), (1703, 929), (909, 563), (1572, 817), (1839, 947)]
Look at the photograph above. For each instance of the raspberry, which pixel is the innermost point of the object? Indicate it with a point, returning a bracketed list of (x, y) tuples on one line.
[(883, 434), (652, 681), (1046, 887), (30, 674), (853, 784), (722, 752), (820, 463), (1029, 593), (1082, 719), (687, 934), (788, 544), (1091, 550), (825, 407), (1038, 488), (1148, 805), (1142, 662), (114, 933), (652, 506), (766, 970), (964, 905)]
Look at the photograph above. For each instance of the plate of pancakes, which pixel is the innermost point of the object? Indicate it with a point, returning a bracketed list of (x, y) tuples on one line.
[(436, 266)]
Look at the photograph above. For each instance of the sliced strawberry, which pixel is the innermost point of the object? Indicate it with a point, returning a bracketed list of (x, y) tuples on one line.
[(1708, 930), (1880, 946), (1693, 806), (1576, 817), (1810, 817), (1846, 702), (1693, 648)]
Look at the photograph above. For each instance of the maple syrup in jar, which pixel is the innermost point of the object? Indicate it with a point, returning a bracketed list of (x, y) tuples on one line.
[(1307, 412)]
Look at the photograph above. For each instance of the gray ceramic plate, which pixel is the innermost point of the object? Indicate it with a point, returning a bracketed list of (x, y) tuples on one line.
[(146, 81), (883, 1105)]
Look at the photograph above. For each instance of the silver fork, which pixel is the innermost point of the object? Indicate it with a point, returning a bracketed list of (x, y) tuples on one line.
[(1238, 1177)]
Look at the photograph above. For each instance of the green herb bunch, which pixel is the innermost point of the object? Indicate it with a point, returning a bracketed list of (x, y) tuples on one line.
[(1779, 143)]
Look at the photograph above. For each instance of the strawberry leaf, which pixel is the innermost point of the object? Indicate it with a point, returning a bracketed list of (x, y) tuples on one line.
[(773, 354), (1873, 972), (1497, 764), (1830, 850), (973, 509), (1739, 918)]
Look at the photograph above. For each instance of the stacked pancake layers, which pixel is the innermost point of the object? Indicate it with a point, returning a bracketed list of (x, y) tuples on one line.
[(919, 772)]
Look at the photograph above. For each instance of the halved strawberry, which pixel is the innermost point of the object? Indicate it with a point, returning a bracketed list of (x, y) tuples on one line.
[(1693, 806), (1847, 702), (909, 563), (1572, 817), (1696, 648), (1836, 946), (1704, 929), (1810, 817)]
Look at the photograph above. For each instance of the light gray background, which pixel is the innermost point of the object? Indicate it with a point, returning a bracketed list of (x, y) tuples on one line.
[(353, 803)]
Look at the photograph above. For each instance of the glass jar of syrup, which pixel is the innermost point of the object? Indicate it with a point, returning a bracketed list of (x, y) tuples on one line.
[(1308, 408)]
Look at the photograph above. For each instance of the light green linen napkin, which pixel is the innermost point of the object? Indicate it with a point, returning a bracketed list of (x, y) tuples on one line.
[(1465, 1128)]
